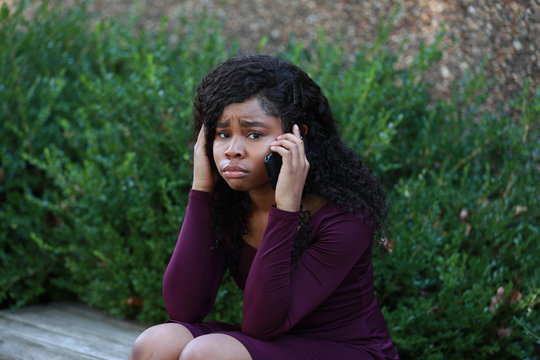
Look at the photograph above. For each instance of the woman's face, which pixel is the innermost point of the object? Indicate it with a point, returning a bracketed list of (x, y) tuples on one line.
[(243, 137)]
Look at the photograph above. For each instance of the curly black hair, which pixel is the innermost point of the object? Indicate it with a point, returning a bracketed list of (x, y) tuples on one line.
[(283, 90)]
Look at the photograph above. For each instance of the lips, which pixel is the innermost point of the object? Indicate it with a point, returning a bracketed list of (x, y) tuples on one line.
[(234, 171)]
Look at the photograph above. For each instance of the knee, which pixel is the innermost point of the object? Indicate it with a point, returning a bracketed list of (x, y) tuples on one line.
[(195, 352), (199, 350), (160, 342), (143, 347), (214, 346)]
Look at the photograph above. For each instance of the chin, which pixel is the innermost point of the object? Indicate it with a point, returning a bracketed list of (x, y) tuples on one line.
[(237, 185), (246, 186)]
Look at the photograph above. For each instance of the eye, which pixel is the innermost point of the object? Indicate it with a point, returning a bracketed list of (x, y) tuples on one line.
[(222, 135), (254, 135)]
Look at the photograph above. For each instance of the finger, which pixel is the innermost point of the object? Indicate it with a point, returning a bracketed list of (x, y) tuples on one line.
[(280, 150), (290, 151), (201, 138), (288, 139), (200, 145), (296, 135), (291, 143), (296, 131), (286, 143)]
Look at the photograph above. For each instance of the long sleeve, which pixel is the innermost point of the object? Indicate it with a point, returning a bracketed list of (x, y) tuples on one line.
[(278, 294), (194, 273)]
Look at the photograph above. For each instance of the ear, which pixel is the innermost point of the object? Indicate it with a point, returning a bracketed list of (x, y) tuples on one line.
[(304, 129)]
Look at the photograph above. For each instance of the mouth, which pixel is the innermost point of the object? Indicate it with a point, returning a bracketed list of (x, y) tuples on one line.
[(234, 172)]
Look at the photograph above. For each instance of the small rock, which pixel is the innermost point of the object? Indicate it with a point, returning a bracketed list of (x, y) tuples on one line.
[(520, 209), (464, 214), (504, 332), (445, 72), (517, 45)]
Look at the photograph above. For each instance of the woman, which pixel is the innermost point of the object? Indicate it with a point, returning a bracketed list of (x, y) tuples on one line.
[(301, 252)]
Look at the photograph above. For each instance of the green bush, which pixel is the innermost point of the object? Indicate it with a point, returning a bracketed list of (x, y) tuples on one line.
[(95, 172), (97, 163)]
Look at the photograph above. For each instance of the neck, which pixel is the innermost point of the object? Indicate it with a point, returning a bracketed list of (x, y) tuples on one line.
[(262, 200)]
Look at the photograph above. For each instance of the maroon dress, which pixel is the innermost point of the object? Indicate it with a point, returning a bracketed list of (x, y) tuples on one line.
[(323, 307)]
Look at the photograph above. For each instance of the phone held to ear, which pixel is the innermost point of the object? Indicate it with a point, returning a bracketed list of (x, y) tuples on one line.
[(273, 163)]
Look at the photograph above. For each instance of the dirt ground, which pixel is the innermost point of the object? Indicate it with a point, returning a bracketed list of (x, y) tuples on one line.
[(503, 33)]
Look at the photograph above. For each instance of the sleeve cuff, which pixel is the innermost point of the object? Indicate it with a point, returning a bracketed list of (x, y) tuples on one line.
[(200, 195), (283, 214)]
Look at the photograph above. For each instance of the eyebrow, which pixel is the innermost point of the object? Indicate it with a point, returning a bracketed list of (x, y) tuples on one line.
[(244, 123)]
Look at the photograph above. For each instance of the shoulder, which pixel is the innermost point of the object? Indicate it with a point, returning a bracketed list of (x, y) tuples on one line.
[(339, 233), (335, 220)]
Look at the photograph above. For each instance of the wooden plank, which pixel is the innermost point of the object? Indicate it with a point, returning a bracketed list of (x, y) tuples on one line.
[(64, 331), (79, 323), (16, 347)]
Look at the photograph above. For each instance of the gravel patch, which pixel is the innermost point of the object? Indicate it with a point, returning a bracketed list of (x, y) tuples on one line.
[(503, 36)]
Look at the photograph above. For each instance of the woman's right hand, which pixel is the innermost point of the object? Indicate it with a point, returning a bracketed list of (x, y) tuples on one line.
[(204, 178)]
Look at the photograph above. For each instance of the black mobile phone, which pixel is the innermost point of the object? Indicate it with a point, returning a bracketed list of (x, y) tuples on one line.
[(273, 163)]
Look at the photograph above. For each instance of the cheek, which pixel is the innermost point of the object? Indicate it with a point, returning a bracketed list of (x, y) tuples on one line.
[(217, 150), (265, 148), (260, 153), (217, 155)]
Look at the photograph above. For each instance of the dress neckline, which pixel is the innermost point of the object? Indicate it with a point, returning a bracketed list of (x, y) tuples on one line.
[(318, 212)]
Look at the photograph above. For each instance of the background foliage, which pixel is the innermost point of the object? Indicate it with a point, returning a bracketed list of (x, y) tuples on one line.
[(95, 124)]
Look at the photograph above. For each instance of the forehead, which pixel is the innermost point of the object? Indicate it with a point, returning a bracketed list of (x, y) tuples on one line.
[(247, 112)]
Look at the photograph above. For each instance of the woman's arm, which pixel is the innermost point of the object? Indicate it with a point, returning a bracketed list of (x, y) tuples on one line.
[(194, 272), (279, 294)]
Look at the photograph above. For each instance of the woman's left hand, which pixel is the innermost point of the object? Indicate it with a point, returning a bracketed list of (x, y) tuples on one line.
[(294, 170)]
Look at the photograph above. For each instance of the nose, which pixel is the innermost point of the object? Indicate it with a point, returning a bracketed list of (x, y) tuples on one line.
[(235, 149)]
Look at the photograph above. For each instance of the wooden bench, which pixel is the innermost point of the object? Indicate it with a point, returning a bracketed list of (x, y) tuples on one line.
[(62, 331)]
